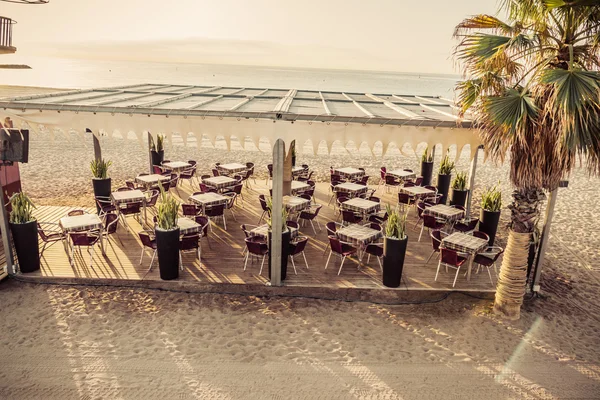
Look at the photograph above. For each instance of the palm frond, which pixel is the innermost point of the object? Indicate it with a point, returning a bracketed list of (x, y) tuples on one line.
[(483, 21)]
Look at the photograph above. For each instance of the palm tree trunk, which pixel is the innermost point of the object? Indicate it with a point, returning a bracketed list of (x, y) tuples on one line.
[(512, 281)]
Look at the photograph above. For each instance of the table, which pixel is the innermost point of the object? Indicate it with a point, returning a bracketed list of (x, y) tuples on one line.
[(464, 243), (262, 231), (129, 196), (299, 187), (417, 191), (297, 171), (219, 182), (351, 173), (399, 173), (353, 189), (447, 213), (177, 165), (209, 199), (80, 223), (187, 225), (231, 168), (151, 180), (363, 206), (359, 236), (295, 203)]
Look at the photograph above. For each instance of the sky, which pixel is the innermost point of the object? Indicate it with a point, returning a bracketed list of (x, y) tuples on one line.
[(385, 35)]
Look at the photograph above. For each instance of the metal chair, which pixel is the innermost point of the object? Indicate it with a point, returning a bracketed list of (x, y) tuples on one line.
[(466, 226), (488, 258), (230, 204), (375, 249), (391, 181), (49, 236), (265, 208), (216, 212), (340, 248), (189, 210), (431, 223), (436, 241), (350, 217), (481, 235), (204, 222), (450, 258), (297, 246), (105, 205), (256, 248), (83, 239), (331, 228), (189, 243), (148, 240), (74, 213), (187, 175), (311, 215), (111, 221)]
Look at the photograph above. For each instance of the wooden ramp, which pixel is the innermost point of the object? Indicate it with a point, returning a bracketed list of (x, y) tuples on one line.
[(222, 261)]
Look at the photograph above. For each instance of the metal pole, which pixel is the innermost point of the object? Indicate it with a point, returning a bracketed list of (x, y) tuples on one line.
[(97, 148), (472, 183), (544, 241), (150, 152), (277, 206), (10, 260)]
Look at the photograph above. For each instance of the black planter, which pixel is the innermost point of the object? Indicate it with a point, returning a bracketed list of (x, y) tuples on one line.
[(426, 172), (101, 188), (443, 185), (25, 238), (167, 245), (459, 197), (293, 161), (157, 157), (285, 251), (488, 223), (531, 257), (394, 251)]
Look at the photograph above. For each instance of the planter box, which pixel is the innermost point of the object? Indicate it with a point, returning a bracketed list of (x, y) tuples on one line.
[(25, 238), (488, 223), (157, 157), (426, 172), (102, 187), (167, 246), (394, 251), (285, 251), (443, 186), (459, 197)]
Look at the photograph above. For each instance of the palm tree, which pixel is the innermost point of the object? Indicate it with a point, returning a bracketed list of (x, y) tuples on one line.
[(533, 88)]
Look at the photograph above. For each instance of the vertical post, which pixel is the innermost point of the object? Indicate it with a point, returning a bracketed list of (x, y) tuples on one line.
[(97, 148), (276, 211), (544, 240), (150, 152), (8, 254), (472, 182)]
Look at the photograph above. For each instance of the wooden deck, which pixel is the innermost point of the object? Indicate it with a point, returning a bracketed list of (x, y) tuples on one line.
[(222, 262)]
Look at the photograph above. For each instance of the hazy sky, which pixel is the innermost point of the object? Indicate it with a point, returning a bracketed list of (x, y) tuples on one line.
[(394, 35)]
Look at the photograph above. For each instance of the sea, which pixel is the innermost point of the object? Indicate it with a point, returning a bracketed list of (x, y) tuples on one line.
[(89, 73)]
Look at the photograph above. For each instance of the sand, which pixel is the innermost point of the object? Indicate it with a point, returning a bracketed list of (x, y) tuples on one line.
[(78, 342)]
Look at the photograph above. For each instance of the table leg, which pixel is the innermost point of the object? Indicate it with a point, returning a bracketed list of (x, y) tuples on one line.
[(471, 257), (102, 241), (145, 216)]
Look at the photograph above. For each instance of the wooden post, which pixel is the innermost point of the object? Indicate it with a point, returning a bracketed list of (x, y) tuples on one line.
[(287, 170), (97, 148), (544, 241), (276, 211), (150, 152), (8, 254), (472, 183)]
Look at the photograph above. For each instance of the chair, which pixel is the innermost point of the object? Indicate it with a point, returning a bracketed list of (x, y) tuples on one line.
[(404, 200), (436, 241), (188, 175), (151, 201), (173, 183), (408, 184), (374, 225), (204, 222), (391, 181), (156, 169), (230, 204), (421, 206), (189, 243), (407, 170), (375, 199), (192, 163), (466, 226), (130, 209), (430, 222), (481, 235), (304, 166), (189, 210), (148, 240), (111, 222), (216, 212), (256, 248), (311, 215), (382, 173), (292, 224), (378, 218), (350, 217), (270, 169), (250, 167), (237, 189), (488, 258), (305, 177), (130, 185), (215, 172), (331, 228), (105, 205), (297, 246), (166, 185), (341, 249), (265, 208), (450, 258), (375, 249), (419, 181), (74, 213), (49, 236), (85, 239), (205, 177), (165, 161), (305, 196), (364, 180)]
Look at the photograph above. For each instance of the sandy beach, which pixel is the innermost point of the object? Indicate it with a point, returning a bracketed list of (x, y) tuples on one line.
[(96, 342)]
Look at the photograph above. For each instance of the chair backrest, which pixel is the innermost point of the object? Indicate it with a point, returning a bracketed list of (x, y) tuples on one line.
[(41, 232), (382, 172), (419, 181), (349, 216), (389, 179), (291, 224), (429, 221), (421, 206), (335, 178), (215, 211), (364, 180), (124, 189), (407, 170), (481, 235), (305, 196), (403, 198), (331, 227), (472, 224), (449, 256), (215, 172), (157, 170), (305, 166), (132, 208), (165, 161), (299, 244), (151, 202), (173, 182), (74, 213), (189, 209), (130, 184), (203, 221), (82, 239), (375, 199), (408, 184), (192, 163), (376, 226), (205, 177), (430, 187), (458, 207), (217, 164), (311, 183), (263, 203), (166, 185), (110, 223), (250, 165), (237, 189), (189, 241), (254, 246), (436, 239), (231, 202), (335, 244)]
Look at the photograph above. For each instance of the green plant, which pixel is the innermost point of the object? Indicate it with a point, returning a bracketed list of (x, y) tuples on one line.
[(99, 168), (491, 199), (460, 181), (396, 224), (21, 208), (168, 207), (284, 214), (159, 145), (446, 166), (427, 156)]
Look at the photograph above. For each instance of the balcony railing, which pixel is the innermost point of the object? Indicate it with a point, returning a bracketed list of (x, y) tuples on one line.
[(6, 35)]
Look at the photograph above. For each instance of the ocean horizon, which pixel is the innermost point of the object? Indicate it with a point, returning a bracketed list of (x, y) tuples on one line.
[(86, 73)]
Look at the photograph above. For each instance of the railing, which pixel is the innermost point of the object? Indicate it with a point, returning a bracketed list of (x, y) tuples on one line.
[(6, 31)]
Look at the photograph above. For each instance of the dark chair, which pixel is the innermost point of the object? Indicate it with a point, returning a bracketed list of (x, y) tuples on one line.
[(74, 213), (382, 173), (105, 205), (230, 205), (481, 235), (431, 223), (375, 249), (305, 177), (250, 174), (148, 240), (408, 184), (291, 224), (350, 217), (130, 209), (341, 249), (237, 189), (297, 246), (215, 172), (436, 241), (375, 199), (379, 218), (391, 181), (216, 212), (151, 201), (192, 163), (188, 175), (305, 196), (450, 258), (466, 226), (173, 183), (311, 215), (364, 180), (165, 161), (419, 181), (189, 210), (407, 170), (270, 169), (123, 189), (205, 177), (83, 239), (256, 248), (265, 208), (111, 222), (49, 236), (488, 258), (404, 200), (458, 207), (331, 228), (189, 243), (421, 206), (374, 225), (157, 170), (204, 222)]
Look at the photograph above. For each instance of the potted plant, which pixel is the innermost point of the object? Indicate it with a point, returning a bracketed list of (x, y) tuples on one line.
[(491, 203), (444, 177), (459, 189), (285, 239), (157, 149), (100, 180), (167, 236), (426, 167), (395, 241), (25, 232)]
